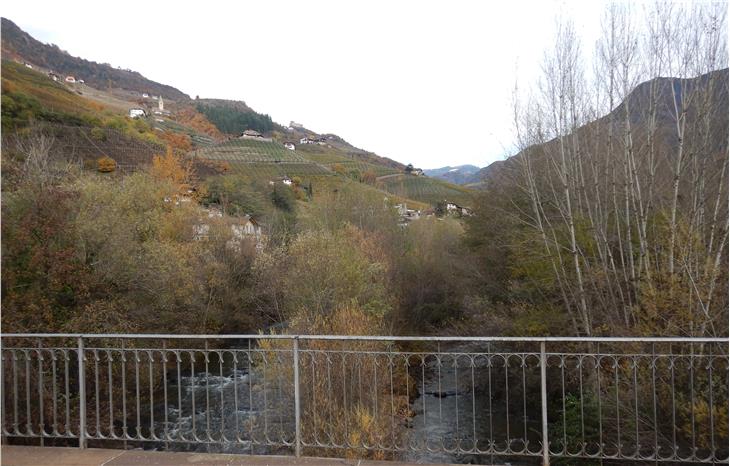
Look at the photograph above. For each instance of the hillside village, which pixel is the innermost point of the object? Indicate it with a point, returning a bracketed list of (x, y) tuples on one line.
[(341, 160), (262, 152)]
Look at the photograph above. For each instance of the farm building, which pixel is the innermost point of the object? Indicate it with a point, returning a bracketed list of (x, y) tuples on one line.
[(70, 79), (251, 134), (289, 145), (455, 209)]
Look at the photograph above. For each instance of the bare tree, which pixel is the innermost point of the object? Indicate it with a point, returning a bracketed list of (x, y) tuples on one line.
[(627, 183)]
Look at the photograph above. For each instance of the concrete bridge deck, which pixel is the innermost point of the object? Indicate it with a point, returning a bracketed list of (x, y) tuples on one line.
[(12, 455)]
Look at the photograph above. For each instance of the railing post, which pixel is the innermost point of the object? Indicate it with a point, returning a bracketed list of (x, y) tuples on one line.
[(297, 420), (82, 395), (543, 396)]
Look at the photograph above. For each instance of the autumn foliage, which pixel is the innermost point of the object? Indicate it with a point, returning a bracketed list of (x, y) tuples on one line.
[(106, 164), (173, 168), (177, 141), (191, 118)]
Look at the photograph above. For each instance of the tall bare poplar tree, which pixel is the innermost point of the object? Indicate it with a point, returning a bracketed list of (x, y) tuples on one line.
[(626, 170)]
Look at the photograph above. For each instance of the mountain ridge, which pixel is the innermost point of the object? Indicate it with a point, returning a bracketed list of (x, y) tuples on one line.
[(636, 99), (458, 174), (18, 44)]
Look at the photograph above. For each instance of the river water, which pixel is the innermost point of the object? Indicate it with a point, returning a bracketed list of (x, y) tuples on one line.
[(228, 406)]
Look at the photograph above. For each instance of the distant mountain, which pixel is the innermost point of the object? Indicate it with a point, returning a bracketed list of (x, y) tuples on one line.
[(638, 103), (20, 46), (462, 174)]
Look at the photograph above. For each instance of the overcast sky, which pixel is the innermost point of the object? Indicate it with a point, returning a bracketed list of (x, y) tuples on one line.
[(423, 82)]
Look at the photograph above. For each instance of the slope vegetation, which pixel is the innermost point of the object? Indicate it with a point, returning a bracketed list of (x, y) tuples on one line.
[(19, 45), (425, 189)]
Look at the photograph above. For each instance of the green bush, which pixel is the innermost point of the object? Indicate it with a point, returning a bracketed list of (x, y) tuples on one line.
[(98, 134)]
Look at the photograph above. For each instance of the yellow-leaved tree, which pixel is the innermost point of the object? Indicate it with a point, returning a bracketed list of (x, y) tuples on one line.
[(173, 168)]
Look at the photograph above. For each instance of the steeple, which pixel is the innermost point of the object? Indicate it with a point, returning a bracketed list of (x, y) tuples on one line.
[(161, 104)]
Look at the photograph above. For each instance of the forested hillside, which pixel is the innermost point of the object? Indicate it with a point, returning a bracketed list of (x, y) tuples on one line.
[(233, 117)]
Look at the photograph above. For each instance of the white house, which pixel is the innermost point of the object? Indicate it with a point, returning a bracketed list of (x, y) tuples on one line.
[(241, 229), (145, 95), (81, 81), (70, 79), (28, 65), (246, 227), (286, 180), (455, 209), (305, 140), (289, 145), (53, 76), (136, 113)]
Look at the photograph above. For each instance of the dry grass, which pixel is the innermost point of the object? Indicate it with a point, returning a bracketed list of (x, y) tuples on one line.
[(353, 393)]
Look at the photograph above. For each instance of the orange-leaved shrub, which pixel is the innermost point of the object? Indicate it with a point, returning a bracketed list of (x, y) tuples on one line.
[(106, 164)]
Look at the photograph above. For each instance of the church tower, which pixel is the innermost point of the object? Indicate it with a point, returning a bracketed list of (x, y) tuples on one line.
[(161, 105)]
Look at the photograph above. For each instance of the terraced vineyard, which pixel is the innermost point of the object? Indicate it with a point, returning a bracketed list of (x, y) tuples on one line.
[(250, 150), (199, 139), (87, 143), (331, 157), (258, 171), (260, 159), (349, 165), (425, 189)]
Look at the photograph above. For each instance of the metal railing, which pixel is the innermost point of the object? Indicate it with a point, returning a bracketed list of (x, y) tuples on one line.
[(408, 398)]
